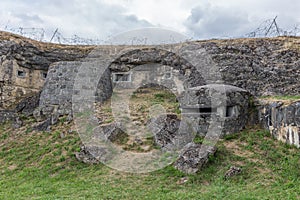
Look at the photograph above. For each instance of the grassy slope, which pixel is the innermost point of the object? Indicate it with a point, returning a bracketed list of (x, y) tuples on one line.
[(36, 165), (41, 165)]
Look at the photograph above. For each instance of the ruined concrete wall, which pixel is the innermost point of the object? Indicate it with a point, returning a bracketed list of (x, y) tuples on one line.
[(24, 64), (282, 120), (261, 66)]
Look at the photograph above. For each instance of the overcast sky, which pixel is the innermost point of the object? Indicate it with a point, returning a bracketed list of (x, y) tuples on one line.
[(103, 18)]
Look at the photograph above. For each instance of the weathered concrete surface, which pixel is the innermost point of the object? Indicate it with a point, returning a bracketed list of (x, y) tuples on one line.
[(283, 120), (27, 105), (7, 115), (91, 154), (232, 171), (56, 97), (165, 129), (194, 157), (217, 105)]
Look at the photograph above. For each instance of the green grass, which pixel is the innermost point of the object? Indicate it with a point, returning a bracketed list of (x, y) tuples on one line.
[(281, 97), (41, 165)]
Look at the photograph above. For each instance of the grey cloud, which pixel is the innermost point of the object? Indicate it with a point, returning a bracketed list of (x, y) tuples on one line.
[(28, 18), (92, 18), (147, 36), (97, 19), (207, 21)]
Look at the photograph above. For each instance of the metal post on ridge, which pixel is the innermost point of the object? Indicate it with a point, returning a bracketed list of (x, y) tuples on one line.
[(54, 34), (271, 25)]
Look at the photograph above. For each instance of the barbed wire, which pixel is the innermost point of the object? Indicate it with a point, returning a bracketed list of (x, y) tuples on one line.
[(268, 28), (74, 40), (32, 33), (57, 37)]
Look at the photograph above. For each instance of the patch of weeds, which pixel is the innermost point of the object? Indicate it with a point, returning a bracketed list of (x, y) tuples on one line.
[(133, 147), (169, 171), (121, 139), (28, 130), (107, 109), (62, 120), (4, 136), (159, 97), (62, 158), (107, 121), (198, 139), (56, 135), (57, 152), (23, 117), (84, 114), (231, 136), (134, 95), (142, 108), (177, 110), (266, 145)]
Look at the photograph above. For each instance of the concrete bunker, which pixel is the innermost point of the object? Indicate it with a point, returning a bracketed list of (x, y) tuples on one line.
[(234, 110)]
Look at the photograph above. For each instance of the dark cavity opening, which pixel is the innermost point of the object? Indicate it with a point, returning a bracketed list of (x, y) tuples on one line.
[(207, 110), (21, 73), (121, 77)]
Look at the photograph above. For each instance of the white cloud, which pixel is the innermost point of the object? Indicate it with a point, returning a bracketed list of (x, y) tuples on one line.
[(234, 18), (86, 18), (212, 21), (165, 13), (102, 18)]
